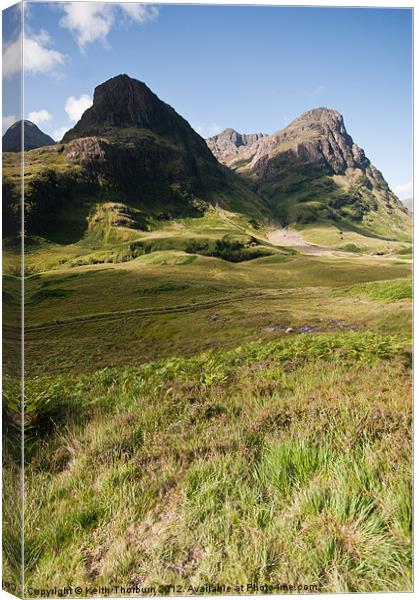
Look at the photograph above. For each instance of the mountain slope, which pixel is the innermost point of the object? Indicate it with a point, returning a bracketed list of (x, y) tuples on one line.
[(147, 151), (312, 171), (33, 137), (132, 149)]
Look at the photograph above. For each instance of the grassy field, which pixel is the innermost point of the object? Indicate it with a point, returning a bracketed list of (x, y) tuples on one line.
[(195, 420)]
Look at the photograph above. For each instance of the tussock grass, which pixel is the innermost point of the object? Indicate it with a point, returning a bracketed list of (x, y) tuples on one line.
[(384, 291), (283, 461)]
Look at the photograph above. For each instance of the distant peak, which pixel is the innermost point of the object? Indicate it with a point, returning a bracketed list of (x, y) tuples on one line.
[(229, 131), (33, 137), (26, 124), (232, 137), (320, 114)]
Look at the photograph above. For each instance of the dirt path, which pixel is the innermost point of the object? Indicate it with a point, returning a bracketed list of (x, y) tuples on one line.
[(292, 239)]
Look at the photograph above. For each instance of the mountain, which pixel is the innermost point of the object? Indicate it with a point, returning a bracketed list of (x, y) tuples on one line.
[(133, 149), (33, 137), (133, 163), (123, 102), (312, 171)]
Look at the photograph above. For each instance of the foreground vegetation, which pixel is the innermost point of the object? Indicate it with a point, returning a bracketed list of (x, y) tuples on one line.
[(287, 461)]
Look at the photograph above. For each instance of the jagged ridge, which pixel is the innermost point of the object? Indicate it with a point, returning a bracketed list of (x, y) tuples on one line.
[(312, 170)]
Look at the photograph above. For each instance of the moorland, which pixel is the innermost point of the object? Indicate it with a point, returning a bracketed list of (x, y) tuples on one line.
[(217, 356)]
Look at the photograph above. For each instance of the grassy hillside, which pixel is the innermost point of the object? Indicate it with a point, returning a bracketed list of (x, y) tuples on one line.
[(285, 461), (308, 198), (145, 178), (192, 419)]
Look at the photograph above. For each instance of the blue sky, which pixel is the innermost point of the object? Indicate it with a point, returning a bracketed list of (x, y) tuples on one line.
[(250, 68)]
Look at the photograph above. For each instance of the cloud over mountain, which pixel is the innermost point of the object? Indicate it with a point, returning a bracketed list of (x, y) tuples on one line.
[(75, 107)]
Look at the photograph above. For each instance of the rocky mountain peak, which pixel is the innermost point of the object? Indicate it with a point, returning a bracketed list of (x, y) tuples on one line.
[(313, 157), (320, 121), (317, 136), (320, 114), (124, 102)]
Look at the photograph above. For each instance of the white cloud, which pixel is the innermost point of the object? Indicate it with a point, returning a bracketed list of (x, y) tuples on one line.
[(38, 57), (75, 107), (39, 116), (404, 189), (91, 22), (12, 57), (140, 12), (58, 134), (206, 130), (88, 21), (7, 121)]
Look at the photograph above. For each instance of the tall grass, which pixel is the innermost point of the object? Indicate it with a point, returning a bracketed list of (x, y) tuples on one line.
[(273, 462)]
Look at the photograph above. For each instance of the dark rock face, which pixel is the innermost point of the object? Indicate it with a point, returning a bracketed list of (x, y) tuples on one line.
[(33, 137), (139, 142), (126, 103), (125, 109), (130, 147)]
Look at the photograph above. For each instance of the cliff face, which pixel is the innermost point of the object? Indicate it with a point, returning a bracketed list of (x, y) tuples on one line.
[(145, 149), (32, 135), (123, 108), (312, 170)]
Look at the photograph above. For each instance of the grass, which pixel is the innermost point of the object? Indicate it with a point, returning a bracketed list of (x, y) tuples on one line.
[(384, 291), (177, 434), (329, 235), (48, 294), (147, 309), (280, 461)]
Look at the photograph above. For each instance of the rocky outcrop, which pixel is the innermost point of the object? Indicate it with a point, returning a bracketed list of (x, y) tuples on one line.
[(86, 150), (229, 142), (33, 137)]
